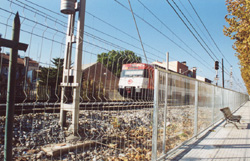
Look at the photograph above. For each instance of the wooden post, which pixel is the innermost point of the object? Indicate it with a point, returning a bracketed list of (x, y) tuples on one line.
[(15, 46)]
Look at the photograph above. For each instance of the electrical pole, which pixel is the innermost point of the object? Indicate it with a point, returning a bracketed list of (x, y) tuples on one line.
[(72, 75)]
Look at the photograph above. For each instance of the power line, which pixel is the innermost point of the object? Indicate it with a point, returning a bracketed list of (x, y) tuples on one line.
[(170, 29), (50, 18), (56, 30), (64, 25), (105, 22), (162, 34), (195, 22), (197, 32), (208, 31), (191, 30), (138, 31), (45, 8), (119, 40), (88, 34)]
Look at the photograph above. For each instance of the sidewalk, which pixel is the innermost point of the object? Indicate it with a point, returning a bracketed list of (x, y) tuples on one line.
[(221, 143)]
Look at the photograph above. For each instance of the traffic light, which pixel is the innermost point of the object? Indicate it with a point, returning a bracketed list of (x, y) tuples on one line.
[(216, 65)]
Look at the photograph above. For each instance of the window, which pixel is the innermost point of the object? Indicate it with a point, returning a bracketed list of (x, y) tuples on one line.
[(132, 73)]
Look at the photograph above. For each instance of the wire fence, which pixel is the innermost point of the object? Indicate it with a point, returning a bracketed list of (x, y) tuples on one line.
[(120, 95), (185, 108)]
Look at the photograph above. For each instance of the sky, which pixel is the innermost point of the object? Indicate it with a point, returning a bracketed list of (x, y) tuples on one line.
[(109, 25)]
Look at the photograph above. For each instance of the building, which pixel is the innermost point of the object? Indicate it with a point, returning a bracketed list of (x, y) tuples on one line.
[(178, 67), (203, 79), (98, 82), (24, 65)]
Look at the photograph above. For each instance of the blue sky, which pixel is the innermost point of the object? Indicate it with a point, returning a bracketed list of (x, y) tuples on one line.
[(46, 35)]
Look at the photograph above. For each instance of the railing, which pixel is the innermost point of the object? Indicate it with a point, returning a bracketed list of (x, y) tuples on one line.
[(192, 107)]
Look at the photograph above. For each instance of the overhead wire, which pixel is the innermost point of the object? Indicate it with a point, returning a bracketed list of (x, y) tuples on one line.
[(162, 33), (193, 33), (208, 31), (105, 22), (197, 25), (61, 32), (164, 24), (191, 30), (197, 33), (62, 23), (137, 30), (209, 34), (45, 8)]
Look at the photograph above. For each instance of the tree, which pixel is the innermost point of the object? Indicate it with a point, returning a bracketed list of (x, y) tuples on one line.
[(238, 18), (113, 60), (53, 75)]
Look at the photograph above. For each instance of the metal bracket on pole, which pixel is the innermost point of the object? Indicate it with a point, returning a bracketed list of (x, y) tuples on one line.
[(155, 115)]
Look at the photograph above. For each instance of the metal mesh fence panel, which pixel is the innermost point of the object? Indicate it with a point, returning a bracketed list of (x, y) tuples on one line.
[(113, 100), (179, 114)]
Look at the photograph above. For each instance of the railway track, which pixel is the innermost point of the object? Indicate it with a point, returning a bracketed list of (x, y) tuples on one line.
[(38, 107)]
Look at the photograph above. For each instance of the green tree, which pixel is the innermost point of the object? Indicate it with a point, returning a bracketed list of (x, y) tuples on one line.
[(52, 75), (238, 18), (113, 60)]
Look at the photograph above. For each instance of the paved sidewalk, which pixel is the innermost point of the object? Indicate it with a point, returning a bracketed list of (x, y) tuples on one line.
[(225, 144)]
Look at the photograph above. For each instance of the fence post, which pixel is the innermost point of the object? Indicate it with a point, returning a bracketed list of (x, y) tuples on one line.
[(222, 98), (11, 91), (155, 115), (213, 104), (196, 109), (165, 107)]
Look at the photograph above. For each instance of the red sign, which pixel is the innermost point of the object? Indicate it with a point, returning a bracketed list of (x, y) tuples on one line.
[(130, 81)]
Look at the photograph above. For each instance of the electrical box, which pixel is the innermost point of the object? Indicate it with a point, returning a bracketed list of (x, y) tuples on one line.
[(68, 6)]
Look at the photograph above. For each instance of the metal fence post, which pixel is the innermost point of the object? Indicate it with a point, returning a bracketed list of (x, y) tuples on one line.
[(11, 91), (213, 105), (196, 109), (155, 115), (222, 98), (165, 106)]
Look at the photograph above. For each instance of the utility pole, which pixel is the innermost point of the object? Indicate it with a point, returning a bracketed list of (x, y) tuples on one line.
[(72, 76), (11, 89), (222, 65)]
